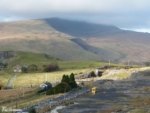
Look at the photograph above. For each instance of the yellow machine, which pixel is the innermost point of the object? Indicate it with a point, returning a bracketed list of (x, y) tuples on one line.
[(93, 90)]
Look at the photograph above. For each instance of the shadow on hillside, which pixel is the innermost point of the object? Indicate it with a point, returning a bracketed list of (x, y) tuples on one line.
[(79, 28)]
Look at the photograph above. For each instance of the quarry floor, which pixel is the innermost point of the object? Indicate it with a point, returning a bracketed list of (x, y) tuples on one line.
[(119, 96)]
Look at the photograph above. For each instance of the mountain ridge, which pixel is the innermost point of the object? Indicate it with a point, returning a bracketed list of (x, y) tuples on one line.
[(80, 28), (75, 40)]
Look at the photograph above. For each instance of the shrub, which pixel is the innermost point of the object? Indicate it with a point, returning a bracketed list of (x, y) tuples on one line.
[(51, 67), (73, 84), (147, 63), (51, 91), (65, 78), (32, 68), (32, 110), (24, 69), (63, 87), (67, 83), (60, 88), (72, 79)]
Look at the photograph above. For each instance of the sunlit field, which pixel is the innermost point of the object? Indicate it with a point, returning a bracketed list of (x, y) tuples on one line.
[(34, 79)]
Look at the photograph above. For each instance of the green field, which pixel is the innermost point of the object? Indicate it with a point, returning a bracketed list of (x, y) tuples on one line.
[(27, 58), (34, 79)]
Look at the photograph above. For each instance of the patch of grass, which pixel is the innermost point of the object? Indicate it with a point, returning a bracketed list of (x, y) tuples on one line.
[(42, 59), (32, 100), (30, 58), (123, 75), (110, 110), (4, 77), (80, 64), (138, 111), (34, 79), (5, 94)]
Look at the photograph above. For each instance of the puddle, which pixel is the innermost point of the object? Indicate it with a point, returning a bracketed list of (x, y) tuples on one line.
[(57, 108), (60, 107), (76, 103)]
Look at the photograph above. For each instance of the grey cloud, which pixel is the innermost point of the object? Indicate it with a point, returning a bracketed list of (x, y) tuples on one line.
[(122, 13)]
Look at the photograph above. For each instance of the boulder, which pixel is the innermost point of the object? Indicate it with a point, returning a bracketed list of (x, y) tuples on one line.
[(91, 74)]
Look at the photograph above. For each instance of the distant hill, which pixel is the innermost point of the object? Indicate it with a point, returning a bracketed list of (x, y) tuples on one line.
[(75, 40), (81, 29), (37, 36)]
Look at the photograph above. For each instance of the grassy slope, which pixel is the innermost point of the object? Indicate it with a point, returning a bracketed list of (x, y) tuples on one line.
[(4, 77), (39, 59), (66, 67), (105, 53), (38, 36), (79, 28), (52, 36), (124, 46)]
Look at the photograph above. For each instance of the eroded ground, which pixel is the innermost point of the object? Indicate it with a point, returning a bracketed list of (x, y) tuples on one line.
[(131, 95)]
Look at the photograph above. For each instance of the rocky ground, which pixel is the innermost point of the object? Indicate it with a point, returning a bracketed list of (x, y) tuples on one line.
[(130, 95)]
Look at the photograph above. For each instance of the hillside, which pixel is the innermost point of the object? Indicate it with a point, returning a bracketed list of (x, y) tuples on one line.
[(40, 59), (80, 28), (37, 36), (130, 46), (104, 53), (75, 40)]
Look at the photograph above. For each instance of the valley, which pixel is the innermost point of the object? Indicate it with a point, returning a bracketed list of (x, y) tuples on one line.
[(40, 51)]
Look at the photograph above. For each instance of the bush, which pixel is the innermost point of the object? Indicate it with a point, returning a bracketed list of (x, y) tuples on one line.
[(72, 79), (51, 67), (51, 91), (67, 83), (147, 63), (60, 88), (32, 68), (63, 87), (65, 78), (73, 84), (24, 69), (32, 110)]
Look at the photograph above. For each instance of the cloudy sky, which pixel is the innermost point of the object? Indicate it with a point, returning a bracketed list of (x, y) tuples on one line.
[(127, 14)]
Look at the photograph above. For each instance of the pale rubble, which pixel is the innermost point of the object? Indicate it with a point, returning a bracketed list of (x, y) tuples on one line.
[(115, 74), (120, 96)]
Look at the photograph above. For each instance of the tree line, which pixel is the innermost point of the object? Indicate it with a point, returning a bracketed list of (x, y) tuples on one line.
[(67, 83), (46, 68)]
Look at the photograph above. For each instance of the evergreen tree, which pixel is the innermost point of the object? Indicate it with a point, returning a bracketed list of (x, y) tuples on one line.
[(63, 78), (72, 79), (67, 80)]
